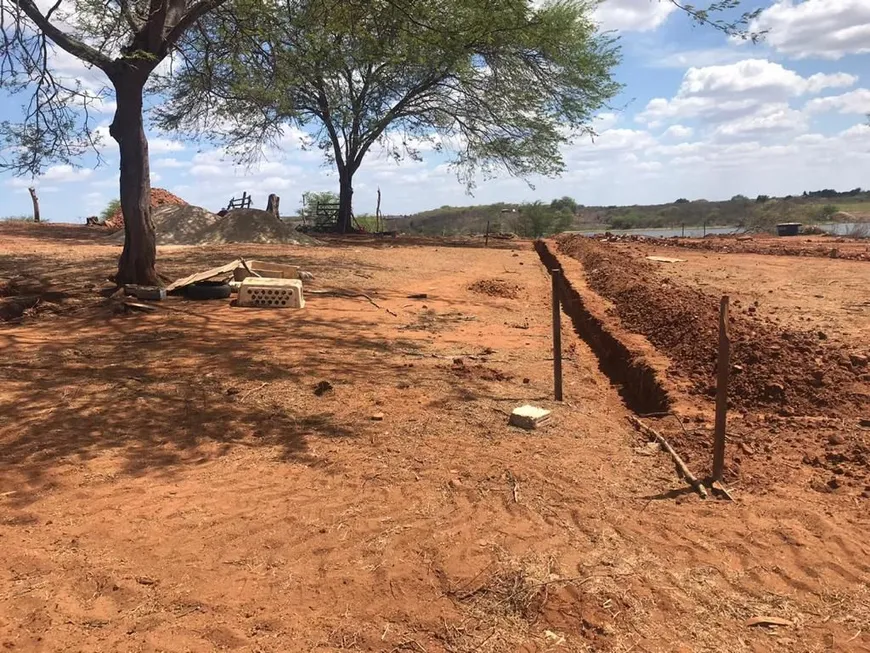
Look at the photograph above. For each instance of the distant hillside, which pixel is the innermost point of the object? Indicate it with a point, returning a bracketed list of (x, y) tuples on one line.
[(761, 212)]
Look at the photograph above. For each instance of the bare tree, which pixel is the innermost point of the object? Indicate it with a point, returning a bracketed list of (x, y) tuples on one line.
[(127, 40)]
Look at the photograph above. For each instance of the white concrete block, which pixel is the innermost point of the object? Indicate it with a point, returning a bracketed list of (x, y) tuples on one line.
[(528, 417), (266, 292)]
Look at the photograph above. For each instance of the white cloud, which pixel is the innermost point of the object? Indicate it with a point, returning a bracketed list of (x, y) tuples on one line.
[(679, 132), (66, 173), (759, 78), (605, 121), (169, 162), (770, 119), (828, 29), (857, 102), (684, 59), (207, 170), (729, 92), (164, 146), (632, 15)]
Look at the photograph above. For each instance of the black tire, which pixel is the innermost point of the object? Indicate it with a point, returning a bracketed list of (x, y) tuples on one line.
[(207, 290)]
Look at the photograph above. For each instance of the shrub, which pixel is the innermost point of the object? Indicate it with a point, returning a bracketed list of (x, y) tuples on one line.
[(110, 210), (827, 212), (537, 220)]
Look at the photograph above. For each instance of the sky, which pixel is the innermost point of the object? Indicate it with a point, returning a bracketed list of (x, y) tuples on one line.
[(701, 116)]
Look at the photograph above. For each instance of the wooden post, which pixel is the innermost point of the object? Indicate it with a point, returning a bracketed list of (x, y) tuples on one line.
[(724, 367), (35, 200), (684, 230), (556, 275), (705, 228), (486, 238), (378, 226)]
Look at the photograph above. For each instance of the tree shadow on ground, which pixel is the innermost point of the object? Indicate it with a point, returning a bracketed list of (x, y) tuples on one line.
[(173, 389)]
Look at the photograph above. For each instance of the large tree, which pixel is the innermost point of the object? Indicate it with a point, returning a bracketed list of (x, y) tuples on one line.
[(127, 40), (500, 83)]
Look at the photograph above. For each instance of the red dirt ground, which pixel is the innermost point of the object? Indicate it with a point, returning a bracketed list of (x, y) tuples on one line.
[(799, 398), (815, 246), (171, 481)]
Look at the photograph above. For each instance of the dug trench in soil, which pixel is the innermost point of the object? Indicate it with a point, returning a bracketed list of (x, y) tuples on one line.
[(783, 371), (637, 380)]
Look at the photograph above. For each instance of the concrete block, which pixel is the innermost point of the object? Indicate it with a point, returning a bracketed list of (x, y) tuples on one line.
[(271, 293), (528, 417)]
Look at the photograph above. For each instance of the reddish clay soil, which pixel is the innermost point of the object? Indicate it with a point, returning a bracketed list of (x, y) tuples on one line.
[(159, 197), (800, 396), (774, 368), (816, 246), (170, 481)]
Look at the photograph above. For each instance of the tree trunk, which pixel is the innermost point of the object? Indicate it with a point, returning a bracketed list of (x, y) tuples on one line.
[(35, 201), (138, 258), (272, 205), (345, 200)]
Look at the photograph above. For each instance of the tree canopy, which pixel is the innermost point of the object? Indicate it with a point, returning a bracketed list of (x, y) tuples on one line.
[(499, 85)]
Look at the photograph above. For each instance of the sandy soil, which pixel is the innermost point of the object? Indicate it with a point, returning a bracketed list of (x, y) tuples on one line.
[(171, 481)]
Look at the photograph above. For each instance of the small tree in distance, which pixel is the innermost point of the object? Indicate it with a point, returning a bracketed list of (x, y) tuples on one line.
[(311, 199), (537, 220)]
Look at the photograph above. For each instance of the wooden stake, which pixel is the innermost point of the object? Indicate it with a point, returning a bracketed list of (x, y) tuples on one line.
[(378, 226), (724, 367), (486, 238), (556, 275), (35, 200), (658, 437)]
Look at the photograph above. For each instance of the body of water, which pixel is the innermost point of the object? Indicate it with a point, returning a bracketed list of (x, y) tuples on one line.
[(835, 229)]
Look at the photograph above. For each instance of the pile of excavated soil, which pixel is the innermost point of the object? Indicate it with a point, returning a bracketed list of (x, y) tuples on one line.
[(495, 288), (254, 226), (825, 246), (159, 197), (180, 224), (192, 225), (785, 371)]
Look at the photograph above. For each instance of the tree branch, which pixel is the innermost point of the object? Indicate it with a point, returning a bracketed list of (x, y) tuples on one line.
[(63, 40)]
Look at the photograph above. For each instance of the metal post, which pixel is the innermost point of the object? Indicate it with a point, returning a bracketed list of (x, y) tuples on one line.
[(486, 238), (684, 230), (724, 367), (556, 275)]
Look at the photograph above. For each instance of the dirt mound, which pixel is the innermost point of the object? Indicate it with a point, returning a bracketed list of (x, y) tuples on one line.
[(824, 246), (254, 226), (786, 371), (159, 197), (180, 225), (192, 225), (496, 288)]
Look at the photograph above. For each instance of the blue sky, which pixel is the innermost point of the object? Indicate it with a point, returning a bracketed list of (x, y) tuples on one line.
[(701, 116)]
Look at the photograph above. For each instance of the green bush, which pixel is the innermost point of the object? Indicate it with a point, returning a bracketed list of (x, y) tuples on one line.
[(827, 212), (537, 220), (110, 210)]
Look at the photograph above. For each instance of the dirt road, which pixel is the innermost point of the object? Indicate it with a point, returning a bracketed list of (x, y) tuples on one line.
[(171, 481)]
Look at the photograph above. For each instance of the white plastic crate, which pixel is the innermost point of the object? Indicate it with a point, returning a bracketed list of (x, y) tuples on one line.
[(271, 293)]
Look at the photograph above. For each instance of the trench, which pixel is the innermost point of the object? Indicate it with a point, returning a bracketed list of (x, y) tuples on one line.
[(629, 372)]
